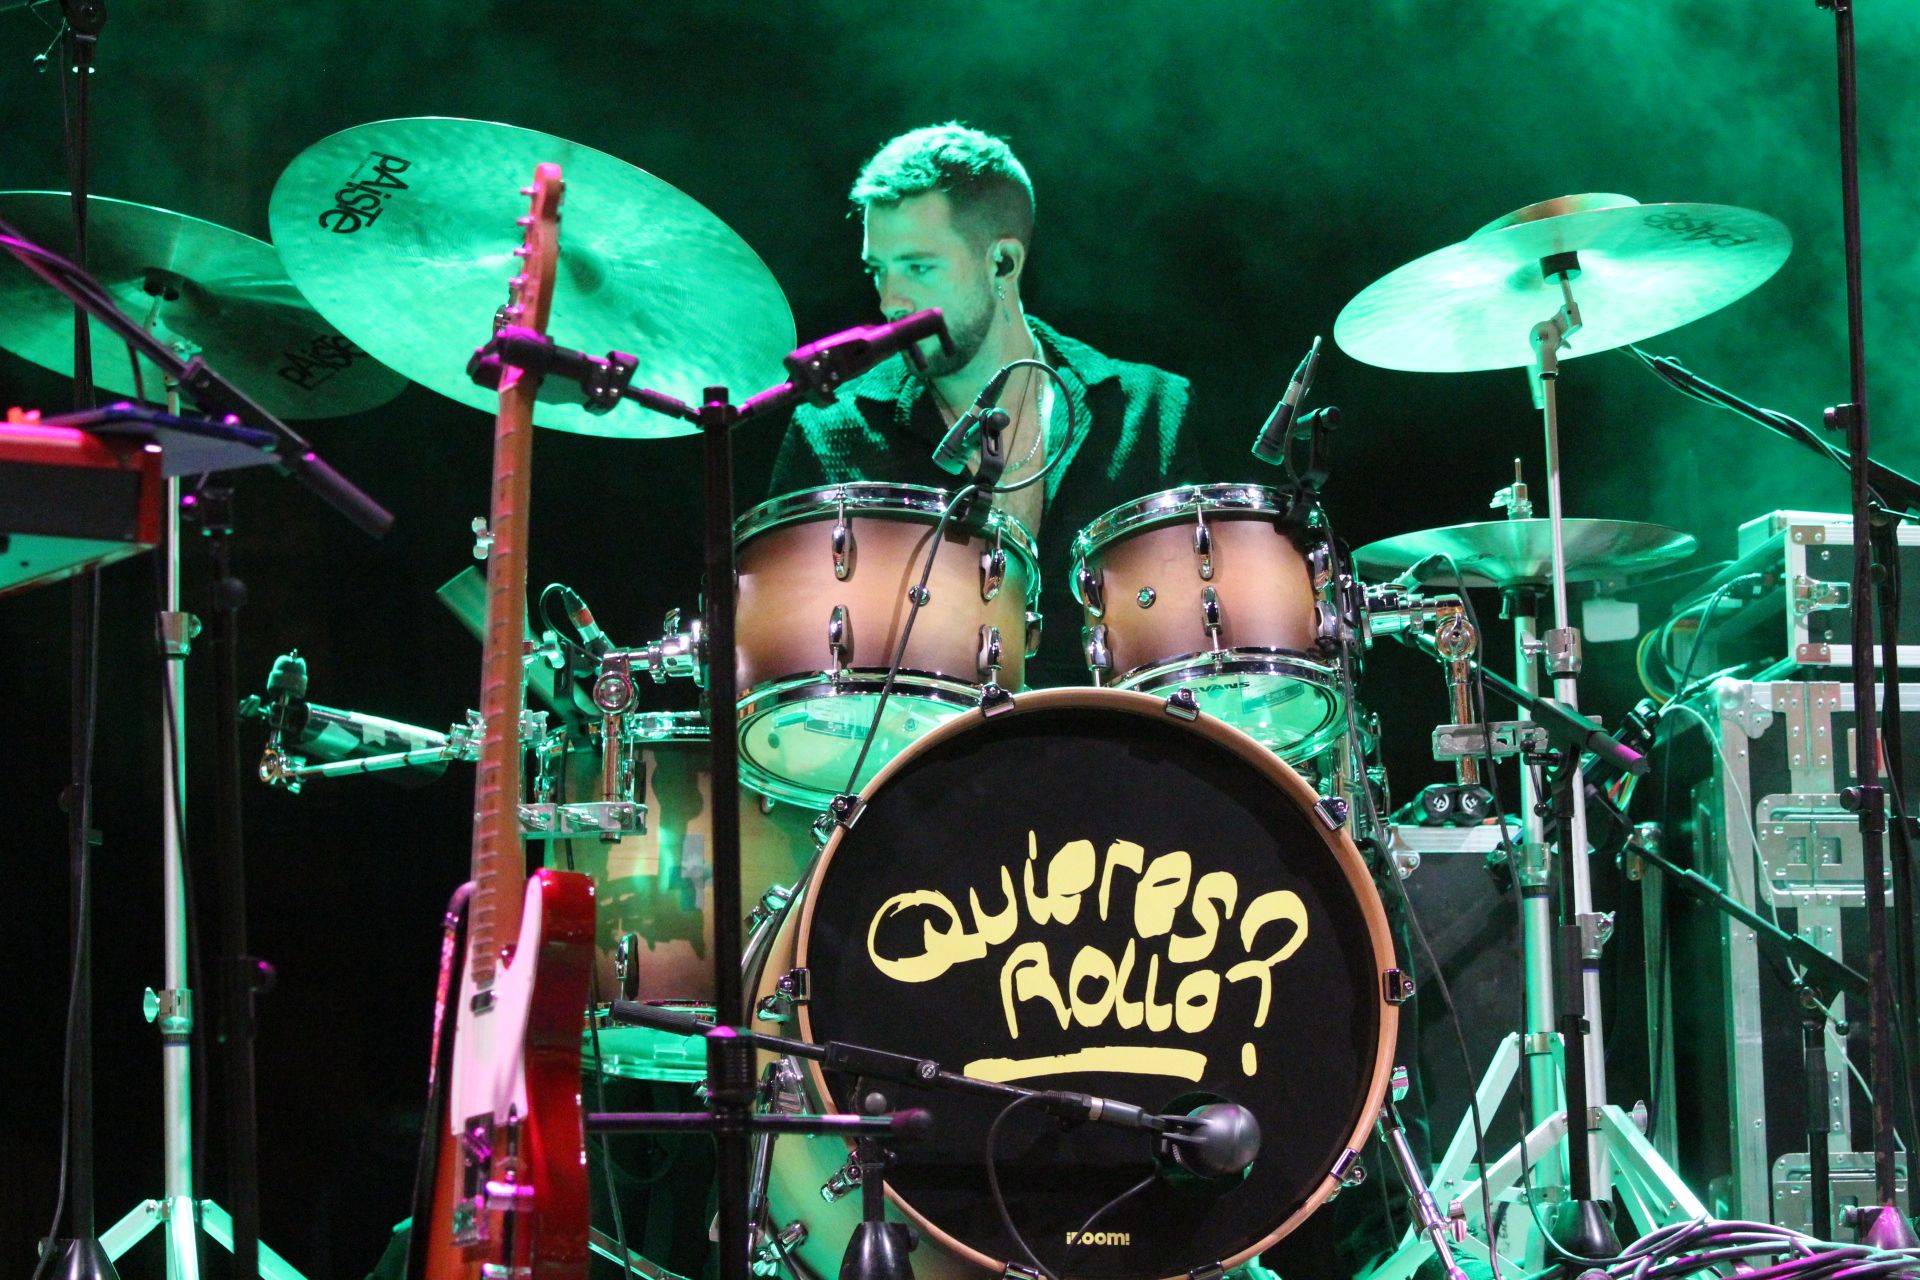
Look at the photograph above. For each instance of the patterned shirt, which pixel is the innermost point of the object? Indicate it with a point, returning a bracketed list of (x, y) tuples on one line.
[(1130, 438)]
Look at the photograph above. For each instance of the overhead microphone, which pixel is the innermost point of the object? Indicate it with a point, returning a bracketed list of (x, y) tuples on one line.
[(1270, 446), (950, 455)]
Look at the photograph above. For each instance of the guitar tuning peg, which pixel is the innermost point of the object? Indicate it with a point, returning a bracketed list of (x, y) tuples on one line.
[(526, 191), (524, 220), (521, 251)]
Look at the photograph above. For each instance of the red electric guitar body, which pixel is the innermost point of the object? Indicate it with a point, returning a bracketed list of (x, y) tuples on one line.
[(503, 1195)]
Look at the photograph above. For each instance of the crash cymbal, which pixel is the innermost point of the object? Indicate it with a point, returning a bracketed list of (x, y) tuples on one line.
[(1643, 269), (402, 232), (1515, 553), (209, 291)]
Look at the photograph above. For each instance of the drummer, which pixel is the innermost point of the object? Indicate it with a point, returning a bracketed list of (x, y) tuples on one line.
[(948, 215)]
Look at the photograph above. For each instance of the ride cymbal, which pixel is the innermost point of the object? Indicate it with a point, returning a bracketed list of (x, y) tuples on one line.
[(1517, 553), (402, 232), (1642, 269), (202, 289)]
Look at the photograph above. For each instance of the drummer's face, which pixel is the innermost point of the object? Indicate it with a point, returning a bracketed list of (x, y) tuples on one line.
[(919, 259)]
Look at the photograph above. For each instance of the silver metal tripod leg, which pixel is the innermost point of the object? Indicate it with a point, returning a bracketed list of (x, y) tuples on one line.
[(182, 1219)]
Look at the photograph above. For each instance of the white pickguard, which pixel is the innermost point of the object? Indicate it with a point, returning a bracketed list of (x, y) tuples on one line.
[(489, 1072)]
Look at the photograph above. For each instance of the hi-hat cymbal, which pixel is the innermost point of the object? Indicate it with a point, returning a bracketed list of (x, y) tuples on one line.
[(1518, 553), (402, 232), (1643, 269), (207, 290)]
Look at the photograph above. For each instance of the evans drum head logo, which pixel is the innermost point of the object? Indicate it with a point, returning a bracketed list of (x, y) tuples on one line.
[(1166, 950), (361, 201)]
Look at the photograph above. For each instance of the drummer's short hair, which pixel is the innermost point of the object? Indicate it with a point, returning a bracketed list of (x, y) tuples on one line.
[(991, 193)]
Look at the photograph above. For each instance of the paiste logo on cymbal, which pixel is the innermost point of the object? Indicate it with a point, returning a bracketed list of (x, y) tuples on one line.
[(1199, 923), (360, 202), (321, 359)]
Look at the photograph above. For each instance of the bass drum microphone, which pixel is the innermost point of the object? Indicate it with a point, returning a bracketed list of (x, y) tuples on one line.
[(1221, 1140)]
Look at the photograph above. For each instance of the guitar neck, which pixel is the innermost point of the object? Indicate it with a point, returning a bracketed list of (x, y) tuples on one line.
[(499, 859)]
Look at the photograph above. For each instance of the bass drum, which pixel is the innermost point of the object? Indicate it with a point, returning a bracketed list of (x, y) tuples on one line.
[(1093, 891)]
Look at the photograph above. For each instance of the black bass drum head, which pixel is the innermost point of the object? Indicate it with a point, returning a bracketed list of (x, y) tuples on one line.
[(1087, 893)]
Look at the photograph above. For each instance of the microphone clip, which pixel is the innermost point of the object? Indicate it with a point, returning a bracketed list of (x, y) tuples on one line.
[(993, 464)]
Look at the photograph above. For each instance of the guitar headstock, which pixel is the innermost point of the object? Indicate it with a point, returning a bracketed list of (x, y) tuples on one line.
[(530, 293)]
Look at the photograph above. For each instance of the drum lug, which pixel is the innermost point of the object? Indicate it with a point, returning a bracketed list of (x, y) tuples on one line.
[(1182, 705), (842, 542), (772, 903), (767, 1259), (1014, 1271), (841, 811), (1203, 545), (783, 1089), (995, 700), (1035, 626), (1210, 615), (1332, 812), (846, 1179), (1099, 656), (626, 966), (987, 660), (839, 638), (1398, 986), (993, 569), (789, 992), (1207, 1271), (1347, 1170), (1089, 589), (1319, 563)]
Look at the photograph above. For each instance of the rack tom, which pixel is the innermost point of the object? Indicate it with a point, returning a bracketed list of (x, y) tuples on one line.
[(1212, 588), (824, 582)]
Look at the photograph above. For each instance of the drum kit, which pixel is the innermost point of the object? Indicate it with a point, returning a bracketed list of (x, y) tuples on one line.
[(1170, 888)]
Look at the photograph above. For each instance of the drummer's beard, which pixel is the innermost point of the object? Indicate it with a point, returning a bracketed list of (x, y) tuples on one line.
[(968, 329)]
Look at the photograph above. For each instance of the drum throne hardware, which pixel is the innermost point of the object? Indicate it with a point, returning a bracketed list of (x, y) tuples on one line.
[(171, 287), (1641, 270)]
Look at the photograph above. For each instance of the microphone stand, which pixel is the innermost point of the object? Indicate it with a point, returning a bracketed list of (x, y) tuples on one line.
[(815, 372), (81, 1256), (1874, 567)]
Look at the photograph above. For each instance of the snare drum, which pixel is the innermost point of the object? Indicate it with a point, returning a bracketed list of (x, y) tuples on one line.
[(1209, 587), (655, 891), (1089, 892), (824, 577)]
